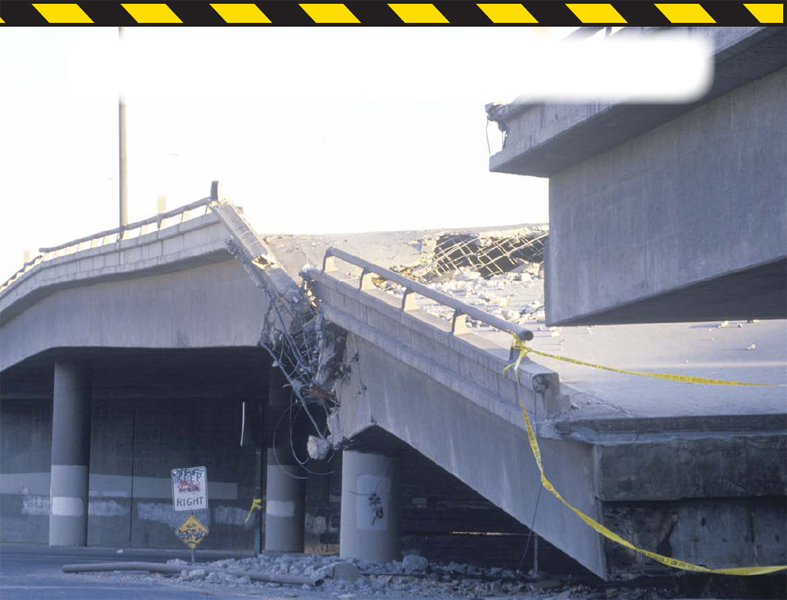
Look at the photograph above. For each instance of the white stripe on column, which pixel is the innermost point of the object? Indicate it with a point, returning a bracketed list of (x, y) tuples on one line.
[(280, 508), (67, 506)]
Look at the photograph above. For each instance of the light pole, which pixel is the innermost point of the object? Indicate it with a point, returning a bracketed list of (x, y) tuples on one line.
[(122, 177)]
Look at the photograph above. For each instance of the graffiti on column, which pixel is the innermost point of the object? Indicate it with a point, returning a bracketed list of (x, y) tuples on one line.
[(376, 504), (373, 502)]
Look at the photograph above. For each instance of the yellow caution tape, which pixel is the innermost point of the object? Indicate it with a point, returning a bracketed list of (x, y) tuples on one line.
[(256, 504), (524, 349), (607, 533)]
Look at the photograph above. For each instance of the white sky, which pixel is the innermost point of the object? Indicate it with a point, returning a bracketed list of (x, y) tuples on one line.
[(311, 130), (288, 119)]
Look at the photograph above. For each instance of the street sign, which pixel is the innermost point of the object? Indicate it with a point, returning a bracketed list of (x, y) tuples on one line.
[(191, 532), (190, 488)]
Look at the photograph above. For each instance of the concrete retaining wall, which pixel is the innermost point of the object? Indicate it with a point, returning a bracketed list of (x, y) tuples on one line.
[(25, 459), (134, 445)]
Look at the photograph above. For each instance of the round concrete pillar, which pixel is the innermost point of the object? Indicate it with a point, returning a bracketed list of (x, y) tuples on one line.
[(285, 491), (371, 507), (70, 455)]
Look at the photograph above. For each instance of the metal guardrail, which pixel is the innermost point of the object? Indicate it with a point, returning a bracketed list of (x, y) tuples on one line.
[(111, 236), (122, 231), (461, 309)]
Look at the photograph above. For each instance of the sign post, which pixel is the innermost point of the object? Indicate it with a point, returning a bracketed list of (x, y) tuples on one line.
[(190, 493)]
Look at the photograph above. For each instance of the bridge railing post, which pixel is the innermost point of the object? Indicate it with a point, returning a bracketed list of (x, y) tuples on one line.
[(459, 323), (367, 280), (408, 300), (329, 264)]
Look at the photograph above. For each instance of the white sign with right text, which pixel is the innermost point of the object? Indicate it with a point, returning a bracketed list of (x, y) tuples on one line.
[(190, 488)]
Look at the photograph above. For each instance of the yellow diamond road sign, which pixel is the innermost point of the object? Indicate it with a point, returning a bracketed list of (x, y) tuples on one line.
[(191, 532)]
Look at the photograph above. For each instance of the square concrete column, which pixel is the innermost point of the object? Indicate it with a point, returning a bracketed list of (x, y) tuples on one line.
[(68, 510), (371, 507)]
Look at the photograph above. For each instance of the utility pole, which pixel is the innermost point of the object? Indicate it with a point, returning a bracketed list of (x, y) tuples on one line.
[(122, 177)]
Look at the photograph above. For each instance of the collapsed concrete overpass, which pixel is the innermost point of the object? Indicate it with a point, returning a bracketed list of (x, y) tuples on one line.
[(129, 353)]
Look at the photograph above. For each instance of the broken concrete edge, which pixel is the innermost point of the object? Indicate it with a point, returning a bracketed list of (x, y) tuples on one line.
[(539, 386), (726, 44), (257, 258), (165, 568), (576, 132), (342, 438), (507, 408), (501, 112)]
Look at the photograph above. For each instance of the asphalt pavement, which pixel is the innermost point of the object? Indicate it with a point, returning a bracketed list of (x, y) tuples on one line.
[(33, 572)]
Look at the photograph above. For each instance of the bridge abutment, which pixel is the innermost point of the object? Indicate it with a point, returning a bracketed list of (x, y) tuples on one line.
[(70, 454), (371, 507)]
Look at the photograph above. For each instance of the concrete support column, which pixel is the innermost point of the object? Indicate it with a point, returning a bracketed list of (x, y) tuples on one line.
[(70, 455), (285, 487), (371, 507), (285, 493)]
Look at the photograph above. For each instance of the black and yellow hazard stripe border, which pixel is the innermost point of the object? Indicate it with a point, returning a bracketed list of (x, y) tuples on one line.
[(288, 13)]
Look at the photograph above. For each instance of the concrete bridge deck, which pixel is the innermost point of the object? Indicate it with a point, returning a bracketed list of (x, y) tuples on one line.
[(686, 349)]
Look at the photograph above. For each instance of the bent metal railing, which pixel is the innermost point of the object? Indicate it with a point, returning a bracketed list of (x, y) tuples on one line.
[(112, 236), (461, 309)]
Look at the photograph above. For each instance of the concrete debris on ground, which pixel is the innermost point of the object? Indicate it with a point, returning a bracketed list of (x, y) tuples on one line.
[(412, 577), (515, 297)]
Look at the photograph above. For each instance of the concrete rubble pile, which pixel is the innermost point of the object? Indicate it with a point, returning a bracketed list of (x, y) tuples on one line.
[(501, 274), (414, 576)]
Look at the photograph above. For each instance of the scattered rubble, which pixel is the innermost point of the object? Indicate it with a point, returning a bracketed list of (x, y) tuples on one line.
[(415, 564), (412, 577), (511, 296), (501, 274), (487, 254)]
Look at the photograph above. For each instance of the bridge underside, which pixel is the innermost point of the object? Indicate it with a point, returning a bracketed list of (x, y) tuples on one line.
[(154, 410), (151, 411)]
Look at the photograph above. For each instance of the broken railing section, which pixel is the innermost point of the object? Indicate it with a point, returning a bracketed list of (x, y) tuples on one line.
[(461, 309), (306, 350)]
